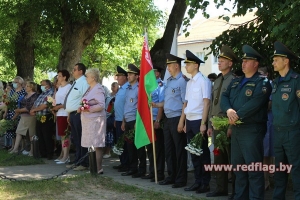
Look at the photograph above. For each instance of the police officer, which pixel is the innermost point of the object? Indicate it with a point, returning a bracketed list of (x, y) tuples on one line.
[(225, 63), (137, 157), (286, 122), (157, 97), (198, 93), (175, 138), (246, 99), (119, 113)]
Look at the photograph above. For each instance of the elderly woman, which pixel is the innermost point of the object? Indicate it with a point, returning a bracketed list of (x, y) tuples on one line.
[(27, 122), (14, 96), (62, 115), (93, 117)]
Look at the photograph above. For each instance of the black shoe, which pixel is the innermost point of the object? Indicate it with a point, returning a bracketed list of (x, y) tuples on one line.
[(178, 185), (123, 169), (166, 182), (216, 194), (117, 167), (231, 197), (138, 175), (129, 173), (148, 176), (194, 187), (203, 189), (158, 179)]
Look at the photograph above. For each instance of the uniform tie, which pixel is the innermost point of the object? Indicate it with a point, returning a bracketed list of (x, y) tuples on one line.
[(219, 91)]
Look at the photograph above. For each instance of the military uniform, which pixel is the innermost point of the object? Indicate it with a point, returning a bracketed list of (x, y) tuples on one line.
[(175, 142), (198, 88), (137, 157), (119, 114), (286, 109), (220, 86), (157, 96), (249, 98)]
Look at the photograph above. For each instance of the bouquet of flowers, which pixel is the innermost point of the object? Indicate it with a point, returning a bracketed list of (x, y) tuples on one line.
[(11, 101), (84, 104), (7, 125), (194, 147), (221, 124), (129, 136), (41, 118), (66, 137), (118, 148), (50, 102)]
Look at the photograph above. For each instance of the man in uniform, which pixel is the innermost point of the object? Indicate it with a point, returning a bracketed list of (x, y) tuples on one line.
[(286, 122), (175, 138), (225, 62), (137, 157), (157, 97), (119, 113), (246, 99), (198, 93)]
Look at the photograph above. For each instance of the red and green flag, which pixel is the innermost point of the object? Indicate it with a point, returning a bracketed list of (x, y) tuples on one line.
[(147, 84)]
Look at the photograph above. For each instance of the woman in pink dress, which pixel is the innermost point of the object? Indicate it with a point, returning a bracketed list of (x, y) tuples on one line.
[(93, 116)]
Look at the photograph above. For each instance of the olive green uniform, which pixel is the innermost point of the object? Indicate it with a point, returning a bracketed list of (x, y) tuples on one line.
[(223, 158)]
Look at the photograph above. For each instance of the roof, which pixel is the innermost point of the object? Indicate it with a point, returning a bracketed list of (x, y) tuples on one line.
[(208, 29)]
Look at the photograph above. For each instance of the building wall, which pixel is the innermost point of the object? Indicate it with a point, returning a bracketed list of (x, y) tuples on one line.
[(210, 65)]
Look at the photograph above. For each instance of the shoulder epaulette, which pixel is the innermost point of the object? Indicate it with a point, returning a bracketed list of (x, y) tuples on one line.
[(185, 78), (294, 75)]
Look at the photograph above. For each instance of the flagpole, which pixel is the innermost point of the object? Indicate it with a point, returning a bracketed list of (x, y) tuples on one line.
[(153, 145)]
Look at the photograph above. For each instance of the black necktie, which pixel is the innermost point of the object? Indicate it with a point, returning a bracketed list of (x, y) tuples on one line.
[(219, 91), (65, 102)]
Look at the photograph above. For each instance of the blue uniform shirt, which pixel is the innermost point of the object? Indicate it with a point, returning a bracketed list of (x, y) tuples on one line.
[(131, 100), (157, 96), (174, 95), (119, 102)]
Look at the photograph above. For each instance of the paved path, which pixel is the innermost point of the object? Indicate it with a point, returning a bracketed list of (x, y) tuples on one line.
[(51, 168)]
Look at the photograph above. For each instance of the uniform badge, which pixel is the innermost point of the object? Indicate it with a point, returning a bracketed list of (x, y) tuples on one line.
[(298, 93), (248, 93), (173, 91), (131, 100), (264, 90), (285, 96)]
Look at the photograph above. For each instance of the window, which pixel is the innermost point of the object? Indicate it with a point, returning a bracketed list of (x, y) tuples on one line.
[(200, 55)]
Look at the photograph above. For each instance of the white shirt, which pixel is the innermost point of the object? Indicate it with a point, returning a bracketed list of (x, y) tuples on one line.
[(75, 96), (197, 89), (60, 99)]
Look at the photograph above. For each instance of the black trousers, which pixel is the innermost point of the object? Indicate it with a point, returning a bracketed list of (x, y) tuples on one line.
[(176, 156), (137, 157), (44, 131), (201, 176), (160, 154), (76, 132), (124, 158)]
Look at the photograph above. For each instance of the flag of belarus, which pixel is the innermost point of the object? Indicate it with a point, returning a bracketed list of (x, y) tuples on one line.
[(147, 84)]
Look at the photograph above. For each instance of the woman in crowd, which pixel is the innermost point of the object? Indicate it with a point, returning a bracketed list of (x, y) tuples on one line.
[(61, 115), (93, 117), (110, 129), (27, 122), (14, 96)]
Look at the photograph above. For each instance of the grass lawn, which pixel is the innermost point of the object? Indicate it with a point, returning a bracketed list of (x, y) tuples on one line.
[(7, 159), (79, 187)]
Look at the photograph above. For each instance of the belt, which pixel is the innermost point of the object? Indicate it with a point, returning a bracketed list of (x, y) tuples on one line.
[(73, 112)]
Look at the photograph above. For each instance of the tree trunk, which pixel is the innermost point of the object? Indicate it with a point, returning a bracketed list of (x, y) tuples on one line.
[(164, 44), (24, 50), (76, 36)]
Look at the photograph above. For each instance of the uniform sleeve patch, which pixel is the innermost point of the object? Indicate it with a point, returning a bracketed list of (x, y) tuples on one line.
[(298, 93)]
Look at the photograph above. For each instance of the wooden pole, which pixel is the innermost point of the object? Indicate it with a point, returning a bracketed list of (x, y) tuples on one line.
[(153, 145)]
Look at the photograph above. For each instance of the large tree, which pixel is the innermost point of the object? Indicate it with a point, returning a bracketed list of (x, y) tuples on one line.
[(273, 21)]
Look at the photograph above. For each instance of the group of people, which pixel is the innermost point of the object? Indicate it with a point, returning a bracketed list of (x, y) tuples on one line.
[(182, 108), (74, 112), (185, 106)]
